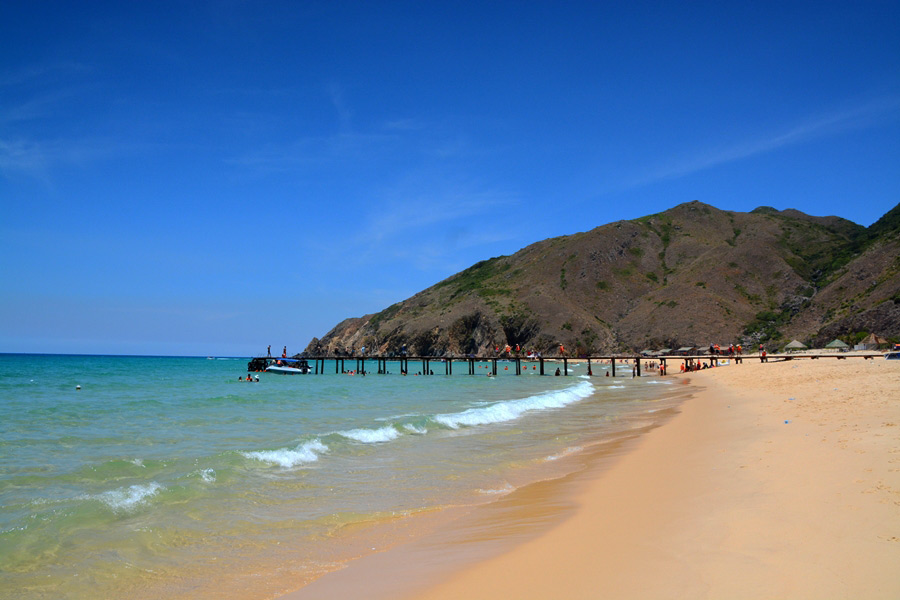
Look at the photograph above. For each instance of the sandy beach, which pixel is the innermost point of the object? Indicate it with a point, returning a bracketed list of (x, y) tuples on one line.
[(777, 480)]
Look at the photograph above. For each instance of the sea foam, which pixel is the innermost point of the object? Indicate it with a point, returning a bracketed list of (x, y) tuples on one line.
[(371, 436), (568, 451), (506, 489), (124, 499), (509, 410), (290, 457)]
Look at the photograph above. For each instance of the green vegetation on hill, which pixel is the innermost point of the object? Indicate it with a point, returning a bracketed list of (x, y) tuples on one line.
[(690, 275)]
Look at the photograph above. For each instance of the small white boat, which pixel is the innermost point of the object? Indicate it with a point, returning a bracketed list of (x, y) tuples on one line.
[(285, 370), (282, 366), (288, 366)]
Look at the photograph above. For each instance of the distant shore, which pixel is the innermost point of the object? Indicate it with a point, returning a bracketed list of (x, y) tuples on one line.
[(778, 480)]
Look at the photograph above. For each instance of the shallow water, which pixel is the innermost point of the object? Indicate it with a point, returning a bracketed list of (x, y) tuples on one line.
[(162, 474)]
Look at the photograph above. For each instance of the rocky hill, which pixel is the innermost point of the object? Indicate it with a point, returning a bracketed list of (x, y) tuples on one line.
[(691, 275)]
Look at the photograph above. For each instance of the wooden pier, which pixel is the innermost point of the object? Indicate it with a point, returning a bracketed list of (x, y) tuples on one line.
[(520, 363)]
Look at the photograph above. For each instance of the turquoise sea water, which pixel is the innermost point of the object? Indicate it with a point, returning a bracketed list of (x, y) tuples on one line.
[(167, 477)]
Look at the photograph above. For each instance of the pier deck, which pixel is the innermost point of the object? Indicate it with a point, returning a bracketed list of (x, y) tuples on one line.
[(538, 363)]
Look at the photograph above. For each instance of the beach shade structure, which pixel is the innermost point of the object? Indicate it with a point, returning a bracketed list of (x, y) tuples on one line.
[(837, 345), (874, 342), (687, 350), (795, 346), (663, 351)]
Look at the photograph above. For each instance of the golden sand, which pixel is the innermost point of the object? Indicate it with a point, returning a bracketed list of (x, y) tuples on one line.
[(777, 480)]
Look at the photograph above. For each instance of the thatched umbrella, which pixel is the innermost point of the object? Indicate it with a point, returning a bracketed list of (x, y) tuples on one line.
[(795, 346), (837, 345)]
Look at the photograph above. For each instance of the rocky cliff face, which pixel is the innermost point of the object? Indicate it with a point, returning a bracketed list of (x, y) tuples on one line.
[(691, 275)]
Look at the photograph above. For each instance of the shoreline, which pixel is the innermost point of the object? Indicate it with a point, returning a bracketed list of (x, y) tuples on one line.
[(765, 484), (456, 536)]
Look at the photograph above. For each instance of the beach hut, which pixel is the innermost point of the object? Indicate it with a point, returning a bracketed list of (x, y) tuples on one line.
[(837, 345), (795, 346), (873, 342), (664, 351), (687, 350)]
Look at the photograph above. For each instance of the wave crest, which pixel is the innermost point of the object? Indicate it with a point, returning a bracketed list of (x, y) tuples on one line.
[(372, 436), (125, 499), (290, 457), (512, 409)]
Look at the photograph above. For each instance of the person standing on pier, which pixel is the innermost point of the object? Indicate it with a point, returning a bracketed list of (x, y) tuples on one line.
[(284, 352), (269, 351)]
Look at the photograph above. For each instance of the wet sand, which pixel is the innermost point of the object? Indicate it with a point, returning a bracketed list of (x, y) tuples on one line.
[(773, 480)]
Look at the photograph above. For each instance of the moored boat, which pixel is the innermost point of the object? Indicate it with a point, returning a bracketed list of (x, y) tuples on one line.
[(282, 366)]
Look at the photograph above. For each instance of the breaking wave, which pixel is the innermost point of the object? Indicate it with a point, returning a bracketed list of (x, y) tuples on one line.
[(510, 410), (482, 414), (306, 452), (372, 436), (128, 498)]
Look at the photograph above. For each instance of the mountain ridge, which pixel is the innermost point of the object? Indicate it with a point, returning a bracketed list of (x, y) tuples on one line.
[(690, 275)]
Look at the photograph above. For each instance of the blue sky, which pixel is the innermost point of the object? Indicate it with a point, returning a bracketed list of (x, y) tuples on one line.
[(207, 178)]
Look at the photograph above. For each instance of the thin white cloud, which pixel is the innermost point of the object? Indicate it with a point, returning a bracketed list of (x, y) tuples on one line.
[(311, 150), (859, 117), (22, 156), (37, 107), (36, 158), (344, 113), (428, 208)]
